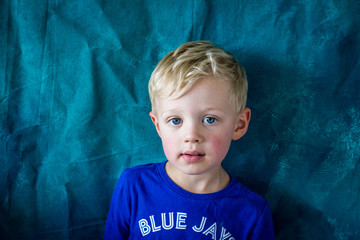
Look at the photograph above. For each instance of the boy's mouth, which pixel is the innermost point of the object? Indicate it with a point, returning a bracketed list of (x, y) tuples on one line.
[(192, 156)]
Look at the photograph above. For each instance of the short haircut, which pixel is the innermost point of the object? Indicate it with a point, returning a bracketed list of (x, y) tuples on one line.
[(181, 68)]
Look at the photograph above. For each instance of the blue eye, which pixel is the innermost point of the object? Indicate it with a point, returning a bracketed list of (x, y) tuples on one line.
[(175, 121), (210, 120)]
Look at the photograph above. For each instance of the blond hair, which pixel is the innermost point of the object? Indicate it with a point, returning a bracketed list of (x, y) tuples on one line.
[(181, 68)]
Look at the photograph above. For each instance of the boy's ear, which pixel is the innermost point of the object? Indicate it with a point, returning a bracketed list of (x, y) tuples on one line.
[(155, 121), (242, 124)]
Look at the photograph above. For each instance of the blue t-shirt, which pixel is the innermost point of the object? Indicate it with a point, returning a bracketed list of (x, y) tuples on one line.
[(147, 204)]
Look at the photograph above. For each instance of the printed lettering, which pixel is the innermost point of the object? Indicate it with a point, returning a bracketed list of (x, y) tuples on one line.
[(211, 230), (168, 222), (180, 220), (224, 235), (144, 227), (202, 225), (171, 221), (153, 226)]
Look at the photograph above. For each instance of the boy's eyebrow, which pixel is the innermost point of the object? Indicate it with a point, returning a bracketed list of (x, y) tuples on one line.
[(171, 110), (214, 109)]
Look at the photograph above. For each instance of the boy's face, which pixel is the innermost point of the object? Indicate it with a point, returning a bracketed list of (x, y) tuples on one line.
[(196, 129)]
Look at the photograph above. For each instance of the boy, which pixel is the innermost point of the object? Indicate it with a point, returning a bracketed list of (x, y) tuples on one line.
[(198, 96)]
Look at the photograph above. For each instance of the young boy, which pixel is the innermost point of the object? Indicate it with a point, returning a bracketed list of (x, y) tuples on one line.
[(198, 96)]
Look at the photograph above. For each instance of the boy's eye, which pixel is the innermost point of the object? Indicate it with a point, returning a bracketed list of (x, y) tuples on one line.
[(210, 120), (175, 121)]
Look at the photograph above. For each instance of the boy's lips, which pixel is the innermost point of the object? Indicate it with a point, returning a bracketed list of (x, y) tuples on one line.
[(192, 156)]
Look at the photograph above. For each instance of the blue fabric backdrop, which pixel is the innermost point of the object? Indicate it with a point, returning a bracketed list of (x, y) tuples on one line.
[(74, 107)]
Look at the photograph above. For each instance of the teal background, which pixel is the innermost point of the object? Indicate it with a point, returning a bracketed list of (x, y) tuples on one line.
[(74, 107)]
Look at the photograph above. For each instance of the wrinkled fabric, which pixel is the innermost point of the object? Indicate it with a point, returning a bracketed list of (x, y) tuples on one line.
[(74, 107)]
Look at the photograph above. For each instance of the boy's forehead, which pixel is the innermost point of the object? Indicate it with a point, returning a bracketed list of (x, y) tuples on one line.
[(206, 94)]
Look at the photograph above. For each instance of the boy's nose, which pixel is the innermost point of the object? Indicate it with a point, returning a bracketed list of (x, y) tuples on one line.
[(193, 135)]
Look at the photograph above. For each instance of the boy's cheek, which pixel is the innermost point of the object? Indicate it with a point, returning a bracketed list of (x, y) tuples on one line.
[(220, 146), (169, 147)]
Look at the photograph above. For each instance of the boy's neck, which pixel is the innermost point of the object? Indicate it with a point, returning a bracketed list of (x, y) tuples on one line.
[(215, 181)]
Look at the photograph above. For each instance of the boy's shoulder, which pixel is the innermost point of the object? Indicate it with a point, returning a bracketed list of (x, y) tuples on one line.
[(243, 189), (139, 171), (252, 198)]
